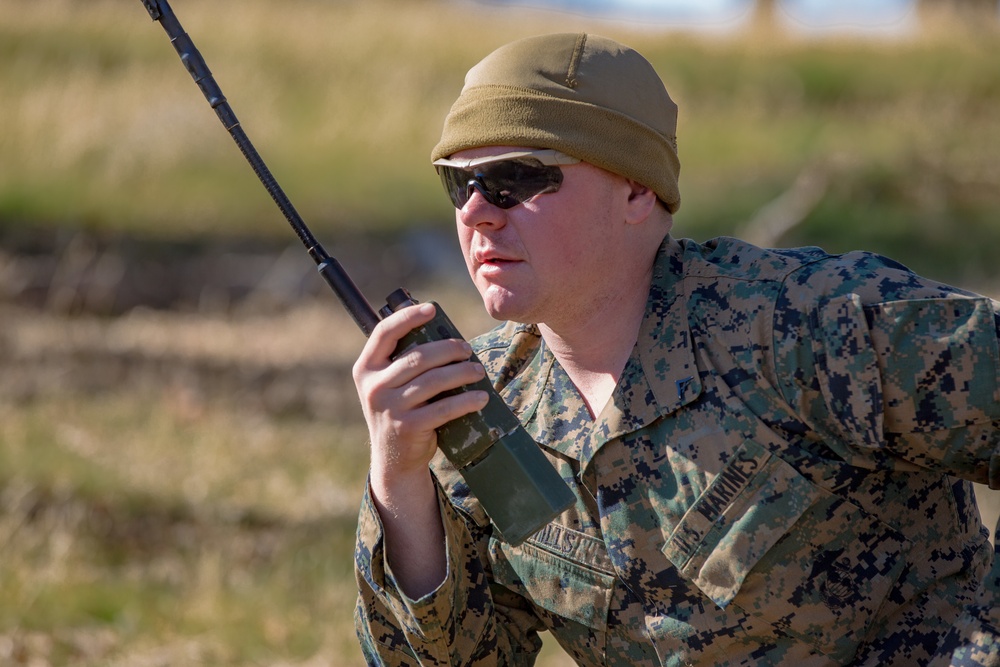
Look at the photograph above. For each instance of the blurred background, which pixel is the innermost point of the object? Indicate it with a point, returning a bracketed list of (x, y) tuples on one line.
[(181, 449)]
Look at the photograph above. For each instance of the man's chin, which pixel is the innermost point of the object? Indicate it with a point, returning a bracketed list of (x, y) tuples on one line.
[(506, 305), (503, 311)]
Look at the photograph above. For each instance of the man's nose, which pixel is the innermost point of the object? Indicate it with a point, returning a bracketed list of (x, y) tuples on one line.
[(480, 209), (474, 186)]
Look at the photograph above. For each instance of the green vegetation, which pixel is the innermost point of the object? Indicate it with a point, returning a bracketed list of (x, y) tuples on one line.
[(344, 101)]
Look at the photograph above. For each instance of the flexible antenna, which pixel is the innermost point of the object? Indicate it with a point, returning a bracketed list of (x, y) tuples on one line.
[(331, 270)]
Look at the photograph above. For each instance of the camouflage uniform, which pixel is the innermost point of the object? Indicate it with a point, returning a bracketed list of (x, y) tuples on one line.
[(781, 477)]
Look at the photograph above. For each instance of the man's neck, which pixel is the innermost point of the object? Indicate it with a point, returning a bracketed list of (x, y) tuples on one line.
[(594, 350)]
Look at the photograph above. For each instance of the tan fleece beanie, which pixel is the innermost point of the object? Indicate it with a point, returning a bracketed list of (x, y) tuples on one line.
[(585, 95)]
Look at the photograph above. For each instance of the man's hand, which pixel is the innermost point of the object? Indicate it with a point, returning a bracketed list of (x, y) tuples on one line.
[(396, 399)]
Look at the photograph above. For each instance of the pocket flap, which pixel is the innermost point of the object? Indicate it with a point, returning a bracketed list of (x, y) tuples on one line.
[(939, 363), (548, 572), (748, 507), (766, 540)]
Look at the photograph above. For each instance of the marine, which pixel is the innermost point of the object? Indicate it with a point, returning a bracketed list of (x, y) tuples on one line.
[(771, 451)]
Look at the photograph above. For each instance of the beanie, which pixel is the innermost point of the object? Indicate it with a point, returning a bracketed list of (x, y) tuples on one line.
[(585, 95)]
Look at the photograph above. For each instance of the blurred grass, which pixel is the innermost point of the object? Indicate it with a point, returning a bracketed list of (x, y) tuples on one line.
[(149, 518), (146, 529), (157, 527), (105, 130)]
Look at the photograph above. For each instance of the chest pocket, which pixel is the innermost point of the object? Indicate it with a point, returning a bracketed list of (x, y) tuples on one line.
[(766, 540), (561, 570)]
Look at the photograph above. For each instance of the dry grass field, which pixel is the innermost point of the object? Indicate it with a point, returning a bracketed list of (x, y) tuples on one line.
[(180, 489)]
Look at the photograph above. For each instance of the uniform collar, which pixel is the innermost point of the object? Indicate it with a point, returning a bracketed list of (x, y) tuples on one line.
[(659, 377), (665, 346)]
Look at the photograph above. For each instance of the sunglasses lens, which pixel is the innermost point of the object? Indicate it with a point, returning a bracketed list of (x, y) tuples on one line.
[(456, 183), (504, 184)]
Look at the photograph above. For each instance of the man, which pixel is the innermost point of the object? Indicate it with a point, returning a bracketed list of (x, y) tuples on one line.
[(771, 450)]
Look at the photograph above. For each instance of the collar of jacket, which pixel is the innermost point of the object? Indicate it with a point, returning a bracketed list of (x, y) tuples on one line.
[(665, 345), (660, 377)]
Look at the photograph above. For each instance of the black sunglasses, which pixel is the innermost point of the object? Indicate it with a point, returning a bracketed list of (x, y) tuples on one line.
[(503, 180)]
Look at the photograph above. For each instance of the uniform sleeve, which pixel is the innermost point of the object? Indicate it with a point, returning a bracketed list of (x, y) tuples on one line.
[(894, 370), (889, 367), (468, 620)]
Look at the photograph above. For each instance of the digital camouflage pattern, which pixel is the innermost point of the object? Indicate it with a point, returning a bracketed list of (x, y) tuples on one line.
[(782, 477)]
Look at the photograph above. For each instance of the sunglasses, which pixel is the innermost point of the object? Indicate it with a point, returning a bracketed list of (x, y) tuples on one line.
[(503, 180)]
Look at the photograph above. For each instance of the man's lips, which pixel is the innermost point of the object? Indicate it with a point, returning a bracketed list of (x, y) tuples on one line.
[(492, 258), (494, 266)]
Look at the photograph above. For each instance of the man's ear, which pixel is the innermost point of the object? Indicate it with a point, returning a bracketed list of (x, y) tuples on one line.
[(641, 202)]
